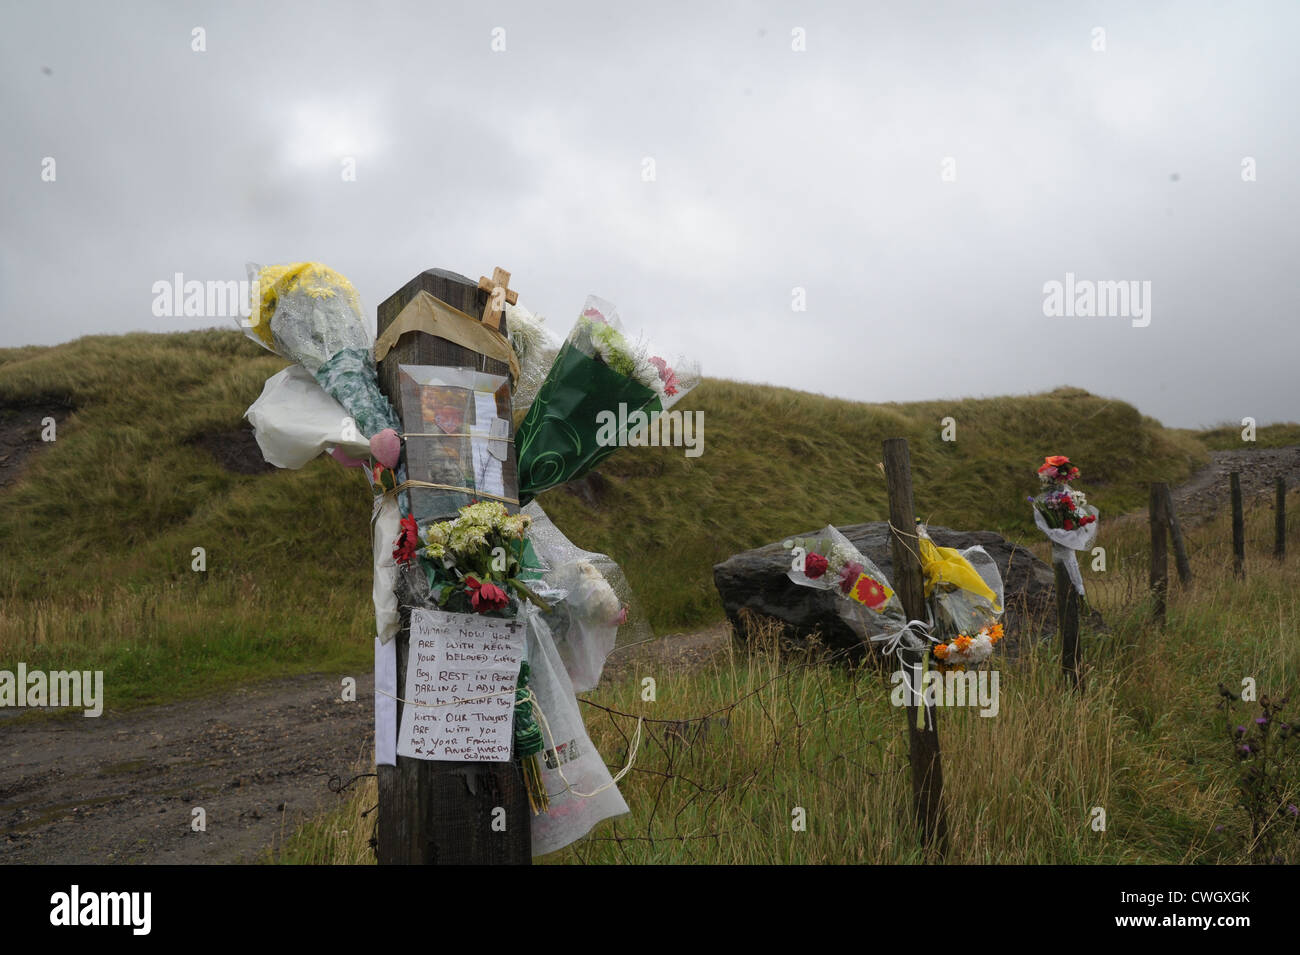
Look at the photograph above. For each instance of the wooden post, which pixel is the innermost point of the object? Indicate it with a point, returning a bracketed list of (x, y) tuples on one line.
[(1279, 521), (1159, 551), (927, 768), (1067, 623), (1176, 535), (433, 812), (1238, 526)]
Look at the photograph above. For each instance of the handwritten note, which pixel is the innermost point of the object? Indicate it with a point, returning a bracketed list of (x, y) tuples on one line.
[(460, 681)]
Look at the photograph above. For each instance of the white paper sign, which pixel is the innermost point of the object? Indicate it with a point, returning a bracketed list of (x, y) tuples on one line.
[(461, 676)]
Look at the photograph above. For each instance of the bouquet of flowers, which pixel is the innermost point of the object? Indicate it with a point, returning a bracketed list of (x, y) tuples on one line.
[(473, 563), (830, 562), (597, 373), (311, 315), (966, 650), (964, 586), (1061, 506), (1064, 515)]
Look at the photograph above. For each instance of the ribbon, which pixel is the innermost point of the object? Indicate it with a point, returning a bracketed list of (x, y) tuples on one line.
[(894, 640), (897, 641), (424, 313)]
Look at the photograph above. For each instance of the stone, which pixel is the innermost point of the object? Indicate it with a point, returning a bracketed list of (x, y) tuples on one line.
[(753, 584)]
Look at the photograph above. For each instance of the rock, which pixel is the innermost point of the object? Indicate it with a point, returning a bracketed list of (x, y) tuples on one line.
[(755, 582)]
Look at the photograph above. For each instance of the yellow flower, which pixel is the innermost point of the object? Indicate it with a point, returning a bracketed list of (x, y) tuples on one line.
[(308, 278)]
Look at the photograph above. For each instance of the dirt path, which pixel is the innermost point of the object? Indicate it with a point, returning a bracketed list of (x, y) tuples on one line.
[(1207, 493), (122, 789)]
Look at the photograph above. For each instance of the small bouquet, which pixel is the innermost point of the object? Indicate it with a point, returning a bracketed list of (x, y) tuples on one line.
[(968, 650), (1062, 507), (597, 373), (311, 315), (1064, 515), (829, 562), (963, 586), (473, 563)]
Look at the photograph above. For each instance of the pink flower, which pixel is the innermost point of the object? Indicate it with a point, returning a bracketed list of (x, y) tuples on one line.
[(622, 616), (386, 447), (594, 315), (343, 458), (666, 375), (849, 575)]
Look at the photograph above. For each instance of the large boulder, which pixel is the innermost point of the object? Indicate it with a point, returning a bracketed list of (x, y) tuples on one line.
[(755, 583)]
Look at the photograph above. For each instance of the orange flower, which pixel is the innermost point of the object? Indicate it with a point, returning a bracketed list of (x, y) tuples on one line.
[(963, 643), (1056, 460), (941, 651), (995, 633)]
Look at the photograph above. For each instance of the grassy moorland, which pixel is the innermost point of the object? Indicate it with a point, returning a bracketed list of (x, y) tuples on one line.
[(99, 531), (731, 749)]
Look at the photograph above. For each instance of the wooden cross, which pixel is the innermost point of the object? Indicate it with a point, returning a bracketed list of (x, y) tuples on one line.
[(500, 281)]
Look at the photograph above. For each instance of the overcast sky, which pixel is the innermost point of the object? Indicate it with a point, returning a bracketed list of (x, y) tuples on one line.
[(774, 168)]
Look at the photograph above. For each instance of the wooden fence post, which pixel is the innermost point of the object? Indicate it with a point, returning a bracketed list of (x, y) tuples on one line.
[(1238, 526), (1176, 535), (434, 812), (1279, 521), (1067, 623), (1159, 550), (927, 767)]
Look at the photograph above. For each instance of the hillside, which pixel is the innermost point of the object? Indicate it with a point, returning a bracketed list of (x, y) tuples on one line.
[(99, 525)]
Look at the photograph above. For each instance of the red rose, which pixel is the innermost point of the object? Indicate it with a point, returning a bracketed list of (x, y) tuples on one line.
[(485, 596), (849, 575), (1069, 524), (408, 541), (814, 565)]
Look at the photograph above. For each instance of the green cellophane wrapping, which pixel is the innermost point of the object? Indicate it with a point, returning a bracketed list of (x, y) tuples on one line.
[(349, 375), (557, 440)]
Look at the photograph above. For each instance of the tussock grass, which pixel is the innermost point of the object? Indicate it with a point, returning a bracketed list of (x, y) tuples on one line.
[(732, 748), (1227, 437), (116, 505)]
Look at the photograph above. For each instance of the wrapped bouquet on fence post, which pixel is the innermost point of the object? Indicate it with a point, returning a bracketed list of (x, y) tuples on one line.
[(601, 385), (964, 590), (1064, 515), (311, 315), (864, 600)]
